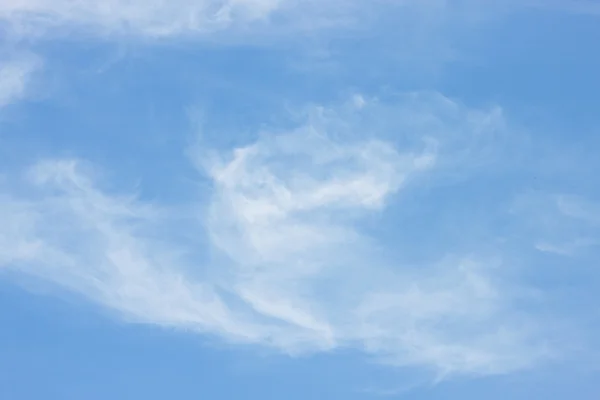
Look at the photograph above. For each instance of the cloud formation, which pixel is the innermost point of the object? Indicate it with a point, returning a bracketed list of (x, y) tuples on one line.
[(187, 18), (562, 224), (161, 19), (15, 76), (154, 18), (292, 263)]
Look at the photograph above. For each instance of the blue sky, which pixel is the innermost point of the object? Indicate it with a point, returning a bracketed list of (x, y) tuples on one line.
[(299, 199)]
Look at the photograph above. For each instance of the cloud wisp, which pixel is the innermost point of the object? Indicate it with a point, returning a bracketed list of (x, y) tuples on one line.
[(187, 18), (565, 225), (158, 19), (15, 77), (153, 18), (293, 265)]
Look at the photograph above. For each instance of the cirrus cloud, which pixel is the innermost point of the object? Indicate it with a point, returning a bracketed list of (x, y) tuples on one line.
[(293, 265)]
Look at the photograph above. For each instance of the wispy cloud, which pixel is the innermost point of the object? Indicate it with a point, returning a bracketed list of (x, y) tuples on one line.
[(161, 19), (293, 265), (562, 224), (579, 208), (15, 76), (154, 18), (188, 18), (567, 247)]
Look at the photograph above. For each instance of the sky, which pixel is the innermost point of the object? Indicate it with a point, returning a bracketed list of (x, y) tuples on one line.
[(267, 199)]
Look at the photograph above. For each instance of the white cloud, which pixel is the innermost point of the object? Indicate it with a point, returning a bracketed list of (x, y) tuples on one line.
[(561, 224), (15, 77), (153, 18), (568, 247), (185, 18), (75, 235), (579, 208), (294, 267)]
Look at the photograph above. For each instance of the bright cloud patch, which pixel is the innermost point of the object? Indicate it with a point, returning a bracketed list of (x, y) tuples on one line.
[(294, 266)]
